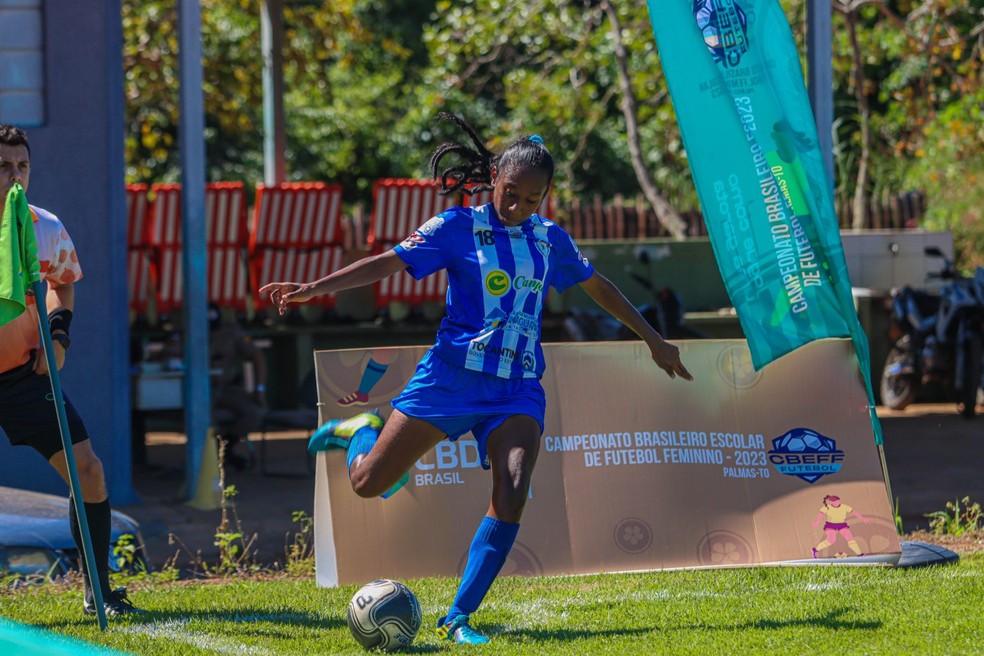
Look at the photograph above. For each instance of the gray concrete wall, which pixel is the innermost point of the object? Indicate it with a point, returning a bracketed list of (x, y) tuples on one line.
[(877, 260), (78, 173)]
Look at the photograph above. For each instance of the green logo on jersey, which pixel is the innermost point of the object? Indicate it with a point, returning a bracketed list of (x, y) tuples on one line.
[(497, 282), (522, 282)]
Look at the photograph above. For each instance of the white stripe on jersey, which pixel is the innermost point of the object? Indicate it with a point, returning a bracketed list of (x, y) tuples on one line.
[(523, 266), (488, 262)]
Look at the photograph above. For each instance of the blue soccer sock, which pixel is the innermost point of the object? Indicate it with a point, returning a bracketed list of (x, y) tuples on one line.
[(486, 556), (361, 443)]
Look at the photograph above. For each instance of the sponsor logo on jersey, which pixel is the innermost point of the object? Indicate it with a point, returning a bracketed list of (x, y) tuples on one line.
[(431, 226), (495, 319), (412, 241), (520, 322), (581, 256), (532, 284), (497, 282), (504, 353)]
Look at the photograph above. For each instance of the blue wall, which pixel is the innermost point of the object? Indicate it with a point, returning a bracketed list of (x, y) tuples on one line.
[(78, 173)]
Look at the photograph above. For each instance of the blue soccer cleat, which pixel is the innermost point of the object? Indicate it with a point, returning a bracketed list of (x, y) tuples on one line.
[(337, 433), (459, 631), (319, 439)]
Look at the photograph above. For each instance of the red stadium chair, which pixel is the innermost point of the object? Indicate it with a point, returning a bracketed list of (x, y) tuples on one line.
[(226, 239), (139, 251), (296, 235), (400, 206)]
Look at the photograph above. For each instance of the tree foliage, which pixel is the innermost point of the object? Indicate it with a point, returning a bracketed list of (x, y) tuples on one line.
[(365, 78), (920, 81), (232, 89)]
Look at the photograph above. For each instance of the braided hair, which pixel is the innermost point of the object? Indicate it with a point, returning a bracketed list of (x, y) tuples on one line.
[(475, 173)]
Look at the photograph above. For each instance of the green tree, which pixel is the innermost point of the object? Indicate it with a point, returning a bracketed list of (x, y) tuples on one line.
[(908, 76), (232, 90), (365, 78), (583, 74), (351, 69)]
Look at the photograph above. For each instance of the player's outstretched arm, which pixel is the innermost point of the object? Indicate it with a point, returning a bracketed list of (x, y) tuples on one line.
[(866, 520), (604, 292), (364, 272)]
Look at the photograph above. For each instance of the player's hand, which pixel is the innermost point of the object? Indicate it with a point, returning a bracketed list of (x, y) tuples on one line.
[(667, 357), (282, 293), (41, 363)]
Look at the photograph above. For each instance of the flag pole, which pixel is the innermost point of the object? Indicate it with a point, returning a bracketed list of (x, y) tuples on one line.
[(66, 438), (19, 252)]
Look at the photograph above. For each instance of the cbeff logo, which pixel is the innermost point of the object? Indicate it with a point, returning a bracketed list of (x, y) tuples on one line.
[(497, 282), (806, 454), (724, 27)]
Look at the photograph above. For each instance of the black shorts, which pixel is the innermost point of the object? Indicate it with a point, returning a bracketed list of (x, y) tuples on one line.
[(27, 412)]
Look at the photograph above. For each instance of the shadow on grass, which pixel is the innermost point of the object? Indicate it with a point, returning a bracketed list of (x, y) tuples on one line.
[(829, 621), (421, 649), (542, 635), (255, 617)]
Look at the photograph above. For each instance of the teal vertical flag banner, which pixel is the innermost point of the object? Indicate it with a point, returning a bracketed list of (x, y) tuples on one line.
[(737, 87)]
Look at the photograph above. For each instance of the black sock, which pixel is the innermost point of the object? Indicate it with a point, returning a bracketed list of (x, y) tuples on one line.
[(98, 517)]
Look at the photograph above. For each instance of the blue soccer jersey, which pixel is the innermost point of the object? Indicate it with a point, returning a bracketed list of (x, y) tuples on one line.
[(498, 278)]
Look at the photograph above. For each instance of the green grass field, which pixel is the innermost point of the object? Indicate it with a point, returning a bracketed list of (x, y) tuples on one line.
[(785, 611)]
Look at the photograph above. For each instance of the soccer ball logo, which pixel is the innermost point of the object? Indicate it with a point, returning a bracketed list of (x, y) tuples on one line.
[(804, 440), (806, 454), (724, 26), (384, 615)]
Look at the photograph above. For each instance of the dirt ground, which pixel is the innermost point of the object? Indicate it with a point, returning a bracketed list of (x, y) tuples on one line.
[(932, 454)]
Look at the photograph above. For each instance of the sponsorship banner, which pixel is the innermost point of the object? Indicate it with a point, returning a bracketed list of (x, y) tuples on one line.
[(636, 471), (734, 75), (26, 640)]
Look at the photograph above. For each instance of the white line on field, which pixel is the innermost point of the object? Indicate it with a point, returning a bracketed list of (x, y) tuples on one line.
[(820, 587), (178, 630), (539, 611)]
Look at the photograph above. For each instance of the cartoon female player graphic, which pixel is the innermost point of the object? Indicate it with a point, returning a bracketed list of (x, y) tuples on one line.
[(836, 513)]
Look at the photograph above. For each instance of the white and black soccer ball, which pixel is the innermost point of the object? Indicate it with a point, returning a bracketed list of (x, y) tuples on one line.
[(384, 615)]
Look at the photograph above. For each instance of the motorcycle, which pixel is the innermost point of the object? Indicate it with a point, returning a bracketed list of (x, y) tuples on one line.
[(665, 313), (939, 340)]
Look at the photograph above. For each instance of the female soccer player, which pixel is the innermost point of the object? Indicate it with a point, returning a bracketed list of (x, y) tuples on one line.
[(483, 374)]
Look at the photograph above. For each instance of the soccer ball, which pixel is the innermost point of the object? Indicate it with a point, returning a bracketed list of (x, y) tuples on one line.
[(384, 615)]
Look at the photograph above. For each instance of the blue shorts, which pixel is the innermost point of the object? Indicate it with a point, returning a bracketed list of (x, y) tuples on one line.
[(458, 400)]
